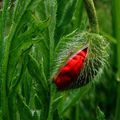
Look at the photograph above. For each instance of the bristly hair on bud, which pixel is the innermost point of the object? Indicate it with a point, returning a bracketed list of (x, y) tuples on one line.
[(78, 59)]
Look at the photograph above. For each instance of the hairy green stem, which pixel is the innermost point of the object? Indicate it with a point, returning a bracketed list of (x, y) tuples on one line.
[(51, 8), (91, 12), (50, 105), (116, 30)]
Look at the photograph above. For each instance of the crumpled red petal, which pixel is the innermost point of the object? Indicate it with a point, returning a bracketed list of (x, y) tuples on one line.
[(70, 72)]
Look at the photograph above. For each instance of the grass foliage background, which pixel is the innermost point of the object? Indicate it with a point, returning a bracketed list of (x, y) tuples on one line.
[(30, 32)]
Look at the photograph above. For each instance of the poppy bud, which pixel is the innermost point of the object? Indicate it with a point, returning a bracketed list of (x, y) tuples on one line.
[(83, 65)]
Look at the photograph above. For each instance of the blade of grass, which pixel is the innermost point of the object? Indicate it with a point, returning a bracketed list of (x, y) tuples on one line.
[(116, 30)]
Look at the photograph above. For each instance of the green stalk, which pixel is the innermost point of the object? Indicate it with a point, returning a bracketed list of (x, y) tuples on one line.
[(51, 8), (116, 30), (50, 112), (91, 12)]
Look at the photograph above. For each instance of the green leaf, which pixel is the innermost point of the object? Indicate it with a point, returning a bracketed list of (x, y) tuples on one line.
[(16, 65), (65, 13), (17, 77), (0, 115), (56, 115), (38, 104), (73, 98), (19, 42), (77, 17), (26, 86), (100, 114), (23, 6), (35, 116), (42, 59), (34, 4), (12, 105), (40, 25), (24, 110), (40, 10), (36, 72)]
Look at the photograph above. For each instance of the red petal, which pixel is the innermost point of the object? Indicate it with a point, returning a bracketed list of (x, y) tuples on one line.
[(69, 73)]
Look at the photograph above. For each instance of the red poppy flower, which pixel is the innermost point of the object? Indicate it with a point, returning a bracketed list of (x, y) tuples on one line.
[(70, 72)]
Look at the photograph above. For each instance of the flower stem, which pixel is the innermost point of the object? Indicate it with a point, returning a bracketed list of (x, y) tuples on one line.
[(91, 12)]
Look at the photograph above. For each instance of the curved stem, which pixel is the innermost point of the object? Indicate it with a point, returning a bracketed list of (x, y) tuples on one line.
[(91, 12)]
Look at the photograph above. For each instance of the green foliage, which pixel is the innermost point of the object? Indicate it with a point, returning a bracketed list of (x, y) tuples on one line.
[(24, 110), (100, 114), (37, 37)]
